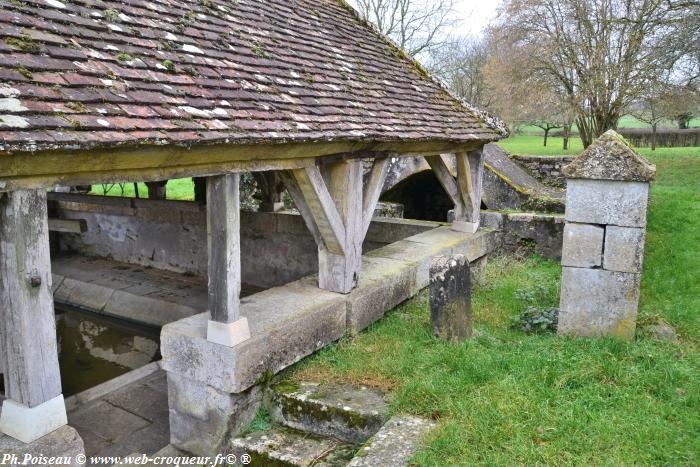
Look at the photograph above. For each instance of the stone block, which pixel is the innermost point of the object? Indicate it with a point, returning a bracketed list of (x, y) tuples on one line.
[(450, 298), (64, 442), (203, 419), (582, 246), (383, 284), (145, 310), (607, 202), (624, 249), (395, 444), (350, 414), (286, 324), (89, 296), (595, 302)]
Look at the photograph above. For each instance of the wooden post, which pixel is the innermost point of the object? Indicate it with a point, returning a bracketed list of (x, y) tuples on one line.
[(157, 190), (340, 272), (226, 327), (464, 189), (34, 406)]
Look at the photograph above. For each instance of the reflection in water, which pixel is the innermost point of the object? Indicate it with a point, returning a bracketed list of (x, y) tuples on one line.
[(93, 349)]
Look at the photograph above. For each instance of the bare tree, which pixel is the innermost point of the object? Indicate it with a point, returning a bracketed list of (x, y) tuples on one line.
[(460, 64), (417, 26), (601, 53)]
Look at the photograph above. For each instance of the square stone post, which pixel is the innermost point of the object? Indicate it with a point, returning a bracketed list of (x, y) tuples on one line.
[(226, 326), (34, 406), (606, 214), (451, 298)]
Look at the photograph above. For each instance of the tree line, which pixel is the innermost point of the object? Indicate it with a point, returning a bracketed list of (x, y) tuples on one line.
[(559, 63)]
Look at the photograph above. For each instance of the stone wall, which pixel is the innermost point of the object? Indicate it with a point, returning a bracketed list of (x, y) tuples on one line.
[(526, 232), (276, 248), (547, 169)]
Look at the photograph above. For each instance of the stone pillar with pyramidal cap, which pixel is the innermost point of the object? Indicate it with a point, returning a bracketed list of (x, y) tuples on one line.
[(606, 214)]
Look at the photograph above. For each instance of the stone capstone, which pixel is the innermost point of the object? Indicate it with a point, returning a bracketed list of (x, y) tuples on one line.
[(595, 302), (610, 158), (450, 298), (582, 246)]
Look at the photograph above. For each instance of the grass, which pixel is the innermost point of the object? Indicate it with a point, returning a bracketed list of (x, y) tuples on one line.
[(627, 121), (532, 145), (507, 398), (179, 189)]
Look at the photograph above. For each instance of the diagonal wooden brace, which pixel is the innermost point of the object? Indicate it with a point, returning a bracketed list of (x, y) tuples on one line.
[(465, 189)]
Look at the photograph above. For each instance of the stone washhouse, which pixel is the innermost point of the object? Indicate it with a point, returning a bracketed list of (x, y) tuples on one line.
[(303, 94)]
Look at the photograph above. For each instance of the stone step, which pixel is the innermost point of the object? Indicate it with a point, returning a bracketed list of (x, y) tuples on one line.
[(351, 414), (286, 447), (394, 444)]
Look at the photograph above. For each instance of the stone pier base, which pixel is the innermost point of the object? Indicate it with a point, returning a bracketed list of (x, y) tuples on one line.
[(64, 443)]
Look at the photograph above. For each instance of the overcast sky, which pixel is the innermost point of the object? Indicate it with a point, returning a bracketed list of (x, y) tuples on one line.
[(474, 15)]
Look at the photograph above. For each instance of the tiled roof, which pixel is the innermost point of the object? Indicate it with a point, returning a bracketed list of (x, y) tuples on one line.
[(87, 73)]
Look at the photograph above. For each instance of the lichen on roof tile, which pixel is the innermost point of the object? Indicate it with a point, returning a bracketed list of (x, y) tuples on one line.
[(213, 71)]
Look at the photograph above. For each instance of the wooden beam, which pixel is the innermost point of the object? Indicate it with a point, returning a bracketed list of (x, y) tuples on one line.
[(373, 190), (442, 173), (29, 350), (340, 272), (297, 195), (225, 327), (322, 208), (77, 226), (44, 169)]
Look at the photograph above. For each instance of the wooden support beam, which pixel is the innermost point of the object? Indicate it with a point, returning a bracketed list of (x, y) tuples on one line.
[(34, 405), (77, 226), (322, 208), (465, 189), (331, 205), (226, 326), (372, 191), (340, 272)]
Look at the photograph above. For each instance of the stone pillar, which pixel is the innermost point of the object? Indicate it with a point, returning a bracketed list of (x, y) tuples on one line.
[(34, 406), (606, 214), (450, 298)]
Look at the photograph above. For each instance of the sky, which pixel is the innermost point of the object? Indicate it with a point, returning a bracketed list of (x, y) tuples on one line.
[(474, 15)]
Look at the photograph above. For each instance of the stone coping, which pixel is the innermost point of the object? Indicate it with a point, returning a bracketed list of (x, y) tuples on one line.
[(290, 322)]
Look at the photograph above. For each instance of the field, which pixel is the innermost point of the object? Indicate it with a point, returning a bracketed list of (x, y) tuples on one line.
[(627, 121), (507, 398)]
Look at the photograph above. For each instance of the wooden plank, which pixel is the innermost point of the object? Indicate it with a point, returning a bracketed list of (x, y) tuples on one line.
[(322, 208), (442, 173), (44, 169), (223, 243), (341, 272), (77, 226), (373, 190), (32, 374)]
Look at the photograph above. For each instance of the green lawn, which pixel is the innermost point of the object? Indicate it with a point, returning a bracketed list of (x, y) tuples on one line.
[(627, 121), (506, 398), (179, 189), (532, 145)]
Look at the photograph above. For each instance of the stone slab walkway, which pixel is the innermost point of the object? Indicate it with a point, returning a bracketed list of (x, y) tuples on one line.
[(145, 295), (132, 419)]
